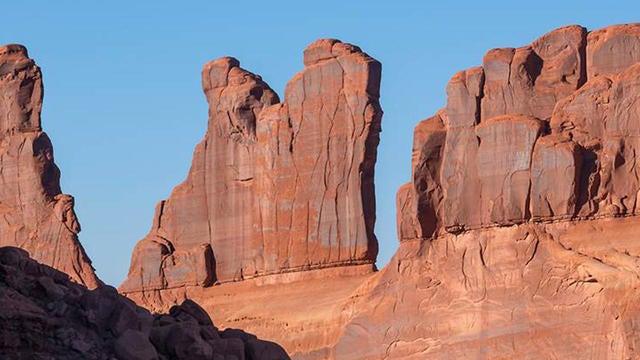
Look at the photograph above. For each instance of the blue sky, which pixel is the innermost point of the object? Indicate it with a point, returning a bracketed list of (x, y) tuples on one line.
[(124, 108)]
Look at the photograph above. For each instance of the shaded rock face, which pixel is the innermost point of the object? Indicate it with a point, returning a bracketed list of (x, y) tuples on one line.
[(36, 216), (542, 132), (274, 186), (46, 316)]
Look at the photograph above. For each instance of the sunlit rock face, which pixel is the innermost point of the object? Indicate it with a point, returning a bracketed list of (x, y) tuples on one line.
[(274, 187), (36, 216), (518, 229), (531, 136)]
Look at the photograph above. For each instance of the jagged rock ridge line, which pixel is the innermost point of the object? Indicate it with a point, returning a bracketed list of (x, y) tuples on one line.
[(36, 215), (274, 186), (542, 132)]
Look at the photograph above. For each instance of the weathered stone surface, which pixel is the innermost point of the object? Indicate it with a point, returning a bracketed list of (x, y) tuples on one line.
[(612, 49), (406, 211), (535, 264), (585, 128), (504, 167), (464, 92), (530, 291), (600, 117), (531, 79), (426, 198), (555, 172), (459, 182), (526, 81), (45, 315), (36, 216), (318, 198), (274, 187), (21, 91)]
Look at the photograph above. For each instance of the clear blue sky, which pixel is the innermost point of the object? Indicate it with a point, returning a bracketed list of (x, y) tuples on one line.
[(124, 108)]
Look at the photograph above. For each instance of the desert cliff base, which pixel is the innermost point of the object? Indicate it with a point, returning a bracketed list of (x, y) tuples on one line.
[(537, 290)]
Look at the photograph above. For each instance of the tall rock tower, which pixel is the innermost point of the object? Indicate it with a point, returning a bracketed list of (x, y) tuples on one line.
[(36, 215), (274, 187)]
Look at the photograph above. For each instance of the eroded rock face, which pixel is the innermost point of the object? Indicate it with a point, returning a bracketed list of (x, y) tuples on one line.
[(531, 291), (428, 145), (530, 136), (517, 230), (45, 315), (612, 49), (274, 187), (530, 250), (36, 216)]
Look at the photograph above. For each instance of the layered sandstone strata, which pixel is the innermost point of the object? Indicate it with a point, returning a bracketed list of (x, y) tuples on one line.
[(36, 215), (274, 187)]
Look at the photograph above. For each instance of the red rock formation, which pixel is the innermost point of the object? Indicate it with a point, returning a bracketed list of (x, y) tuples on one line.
[(612, 49), (490, 171), (517, 230), (46, 316), (523, 254), (563, 290), (36, 216), (428, 144), (274, 187), (512, 83)]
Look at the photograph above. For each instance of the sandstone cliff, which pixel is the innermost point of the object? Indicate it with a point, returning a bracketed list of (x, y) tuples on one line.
[(545, 132), (36, 215), (518, 230), (273, 187)]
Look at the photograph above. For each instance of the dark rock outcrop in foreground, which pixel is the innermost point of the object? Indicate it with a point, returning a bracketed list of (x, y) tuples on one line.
[(35, 214), (46, 316), (273, 187)]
